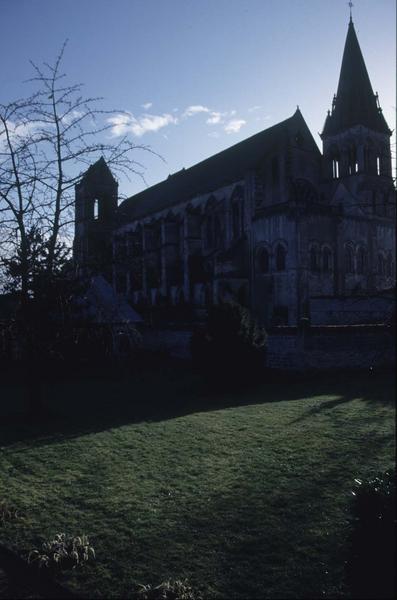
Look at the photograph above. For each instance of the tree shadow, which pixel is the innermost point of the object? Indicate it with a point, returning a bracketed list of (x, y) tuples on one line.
[(169, 389), (376, 388)]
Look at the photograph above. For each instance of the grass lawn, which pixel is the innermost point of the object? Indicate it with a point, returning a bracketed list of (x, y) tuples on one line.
[(246, 494)]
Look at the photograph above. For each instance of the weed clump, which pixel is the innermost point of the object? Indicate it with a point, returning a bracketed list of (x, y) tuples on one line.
[(168, 590), (63, 551), (8, 513)]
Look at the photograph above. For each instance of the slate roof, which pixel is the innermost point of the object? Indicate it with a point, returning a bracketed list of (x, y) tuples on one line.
[(355, 102), (220, 169)]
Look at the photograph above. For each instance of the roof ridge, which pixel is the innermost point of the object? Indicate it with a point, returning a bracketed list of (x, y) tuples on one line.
[(223, 168), (185, 170)]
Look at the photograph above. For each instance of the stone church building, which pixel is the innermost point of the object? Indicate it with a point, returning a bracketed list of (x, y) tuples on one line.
[(271, 222)]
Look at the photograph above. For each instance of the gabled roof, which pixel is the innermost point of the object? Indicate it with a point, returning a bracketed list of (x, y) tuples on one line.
[(220, 169), (355, 102)]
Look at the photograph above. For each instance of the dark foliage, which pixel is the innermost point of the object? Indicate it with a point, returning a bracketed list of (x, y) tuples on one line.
[(34, 260), (231, 346), (371, 566), (52, 334)]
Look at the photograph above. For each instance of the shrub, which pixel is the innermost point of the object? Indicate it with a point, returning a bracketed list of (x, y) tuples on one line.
[(168, 590), (8, 513), (231, 346), (370, 569), (64, 551)]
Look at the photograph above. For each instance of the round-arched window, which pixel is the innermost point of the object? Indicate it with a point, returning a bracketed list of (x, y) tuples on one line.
[(263, 261), (313, 259), (349, 260), (327, 260), (361, 261), (381, 264), (281, 255)]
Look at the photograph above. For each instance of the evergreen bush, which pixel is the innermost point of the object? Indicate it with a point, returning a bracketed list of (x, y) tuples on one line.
[(230, 346), (371, 564)]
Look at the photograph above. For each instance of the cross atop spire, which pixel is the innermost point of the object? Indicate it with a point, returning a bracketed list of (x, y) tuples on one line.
[(350, 7)]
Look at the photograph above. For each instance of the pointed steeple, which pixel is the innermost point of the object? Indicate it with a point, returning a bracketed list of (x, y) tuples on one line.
[(355, 102)]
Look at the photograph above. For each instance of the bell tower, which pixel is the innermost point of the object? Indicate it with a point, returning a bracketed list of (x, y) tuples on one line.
[(95, 212), (356, 137)]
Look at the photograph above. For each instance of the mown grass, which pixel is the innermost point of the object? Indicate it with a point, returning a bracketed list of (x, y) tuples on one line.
[(246, 493)]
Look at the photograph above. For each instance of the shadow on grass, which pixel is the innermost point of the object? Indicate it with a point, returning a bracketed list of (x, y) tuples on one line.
[(372, 387), (163, 390)]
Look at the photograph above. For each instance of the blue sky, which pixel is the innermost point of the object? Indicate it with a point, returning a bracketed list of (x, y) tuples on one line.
[(197, 76)]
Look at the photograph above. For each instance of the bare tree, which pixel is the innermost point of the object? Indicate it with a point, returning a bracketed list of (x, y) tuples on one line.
[(46, 141)]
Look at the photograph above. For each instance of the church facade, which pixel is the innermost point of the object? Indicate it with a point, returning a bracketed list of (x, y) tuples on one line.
[(270, 222)]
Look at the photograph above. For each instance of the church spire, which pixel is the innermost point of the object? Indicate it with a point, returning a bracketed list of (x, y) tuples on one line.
[(355, 102)]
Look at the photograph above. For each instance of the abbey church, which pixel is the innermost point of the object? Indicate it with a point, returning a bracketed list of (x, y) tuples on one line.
[(271, 222)]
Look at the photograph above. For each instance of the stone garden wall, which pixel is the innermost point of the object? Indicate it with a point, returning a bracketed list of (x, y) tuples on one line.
[(321, 347)]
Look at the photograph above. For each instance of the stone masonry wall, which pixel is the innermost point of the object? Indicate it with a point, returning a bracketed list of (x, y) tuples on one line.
[(352, 346), (331, 347)]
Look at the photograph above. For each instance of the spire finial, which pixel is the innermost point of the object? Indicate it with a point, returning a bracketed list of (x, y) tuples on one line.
[(350, 7)]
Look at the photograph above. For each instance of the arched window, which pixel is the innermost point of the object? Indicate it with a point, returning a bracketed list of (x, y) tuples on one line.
[(281, 255), (366, 159), (353, 166), (275, 171), (374, 206), (349, 260), (217, 231), (313, 259), (361, 261), (96, 208), (208, 296), (389, 265), (209, 239), (335, 167), (327, 260), (381, 264), (385, 160), (236, 219), (242, 296), (263, 261)]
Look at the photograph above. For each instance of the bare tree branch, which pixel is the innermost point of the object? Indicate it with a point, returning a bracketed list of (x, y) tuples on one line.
[(47, 140)]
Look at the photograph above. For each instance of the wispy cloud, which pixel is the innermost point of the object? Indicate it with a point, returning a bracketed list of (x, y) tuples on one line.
[(20, 130), (147, 105), (195, 109), (213, 134), (234, 125), (124, 123), (215, 118), (254, 108), (74, 115)]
